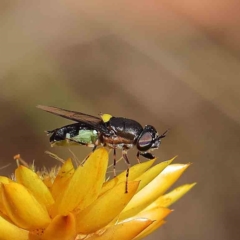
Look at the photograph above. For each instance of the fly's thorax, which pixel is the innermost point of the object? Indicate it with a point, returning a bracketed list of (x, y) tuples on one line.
[(120, 146), (122, 133), (115, 141), (125, 128)]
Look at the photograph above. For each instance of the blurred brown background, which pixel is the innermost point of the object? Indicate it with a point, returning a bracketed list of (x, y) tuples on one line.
[(172, 64)]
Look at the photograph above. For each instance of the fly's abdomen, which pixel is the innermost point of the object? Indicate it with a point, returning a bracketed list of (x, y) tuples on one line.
[(85, 137), (74, 134)]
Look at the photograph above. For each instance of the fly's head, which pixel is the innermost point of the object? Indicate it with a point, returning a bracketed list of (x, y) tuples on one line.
[(148, 141)]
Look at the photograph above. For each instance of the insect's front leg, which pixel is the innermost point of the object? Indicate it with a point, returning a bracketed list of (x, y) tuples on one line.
[(138, 159), (147, 155)]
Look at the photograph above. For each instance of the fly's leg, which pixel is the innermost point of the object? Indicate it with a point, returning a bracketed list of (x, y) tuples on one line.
[(124, 154), (114, 162), (147, 155), (138, 159), (94, 148), (93, 145)]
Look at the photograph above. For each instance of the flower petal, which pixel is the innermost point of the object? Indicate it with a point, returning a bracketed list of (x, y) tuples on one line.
[(171, 197), (64, 175), (47, 180), (134, 172), (61, 228), (3, 180), (105, 208), (154, 189), (22, 208), (125, 230), (85, 185), (157, 214), (32, 182), (10, 231), (149, 175), (157, 224)]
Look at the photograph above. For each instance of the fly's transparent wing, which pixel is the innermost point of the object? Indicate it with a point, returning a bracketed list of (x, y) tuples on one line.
[(72, 115)]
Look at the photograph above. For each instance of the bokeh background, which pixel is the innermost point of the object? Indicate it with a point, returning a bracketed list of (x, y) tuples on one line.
[(172, 64)]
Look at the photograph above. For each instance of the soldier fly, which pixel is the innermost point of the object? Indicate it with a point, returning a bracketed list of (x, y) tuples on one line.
[(105, 130)]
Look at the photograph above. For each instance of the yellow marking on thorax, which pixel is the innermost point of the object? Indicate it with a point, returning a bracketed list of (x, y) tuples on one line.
[(106, 117)]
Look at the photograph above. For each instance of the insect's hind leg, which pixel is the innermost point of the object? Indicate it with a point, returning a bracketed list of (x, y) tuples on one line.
[(86, 158), (94, 146), (125, 157), (114, 162)]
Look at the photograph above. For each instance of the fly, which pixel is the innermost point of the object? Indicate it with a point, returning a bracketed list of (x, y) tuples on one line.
[(105, 130)]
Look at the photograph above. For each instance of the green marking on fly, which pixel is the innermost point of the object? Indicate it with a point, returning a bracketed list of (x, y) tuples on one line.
[(85, 136)]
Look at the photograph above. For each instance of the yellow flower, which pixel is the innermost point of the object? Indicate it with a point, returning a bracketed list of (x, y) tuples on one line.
[(80, 204)]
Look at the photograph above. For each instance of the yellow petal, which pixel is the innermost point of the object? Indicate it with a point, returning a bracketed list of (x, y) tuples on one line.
[(62, 178), (3, 180), (157, 214), (134, 172), (22, 208), (171, 197), (149, 175), (105, 208), (10, 231), (154, 189), (34, 184), (85, 185), (154, 226), (47, 180), (125, 230), (61, 228)]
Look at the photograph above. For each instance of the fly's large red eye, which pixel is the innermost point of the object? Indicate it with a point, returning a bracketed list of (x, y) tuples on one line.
[(145, 141)]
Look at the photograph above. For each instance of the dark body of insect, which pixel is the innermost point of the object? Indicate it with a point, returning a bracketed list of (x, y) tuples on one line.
[(106, 130)]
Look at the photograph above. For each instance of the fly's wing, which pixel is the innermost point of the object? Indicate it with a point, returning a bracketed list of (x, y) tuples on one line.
[(72, 115)]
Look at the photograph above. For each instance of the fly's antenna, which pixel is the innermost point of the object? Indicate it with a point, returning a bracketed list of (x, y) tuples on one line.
[(164, 134)]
